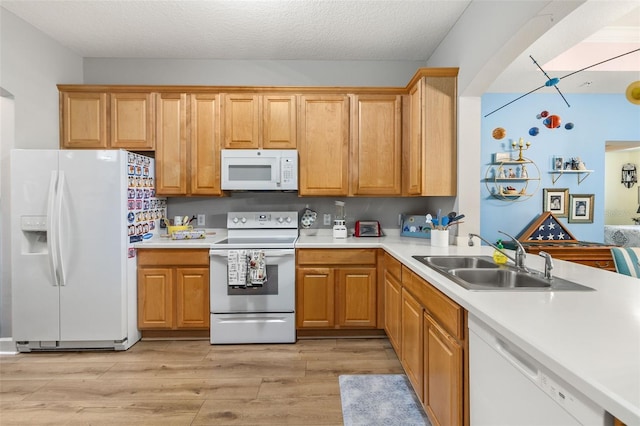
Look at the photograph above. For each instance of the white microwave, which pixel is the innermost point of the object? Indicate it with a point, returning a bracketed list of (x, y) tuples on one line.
[(259, 169)]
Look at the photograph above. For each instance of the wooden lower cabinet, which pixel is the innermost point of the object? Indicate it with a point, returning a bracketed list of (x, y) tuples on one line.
[(433, 344), (412, 337), (336, 288), (173, 289), (443, 375)]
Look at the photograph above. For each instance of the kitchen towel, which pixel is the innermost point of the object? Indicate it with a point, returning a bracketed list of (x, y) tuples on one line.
[(257, 268), (237, 268)]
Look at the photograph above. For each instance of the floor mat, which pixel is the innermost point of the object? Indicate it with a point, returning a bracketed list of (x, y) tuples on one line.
[(380, 399)]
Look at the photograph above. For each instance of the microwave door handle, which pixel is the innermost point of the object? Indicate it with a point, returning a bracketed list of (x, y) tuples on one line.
[(277, 171)]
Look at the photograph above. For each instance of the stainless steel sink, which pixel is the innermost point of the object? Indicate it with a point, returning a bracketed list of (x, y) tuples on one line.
[(482, 274), (455, 262), (499, 278)]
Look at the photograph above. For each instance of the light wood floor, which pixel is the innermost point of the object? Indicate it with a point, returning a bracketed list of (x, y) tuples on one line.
[(189, 383)]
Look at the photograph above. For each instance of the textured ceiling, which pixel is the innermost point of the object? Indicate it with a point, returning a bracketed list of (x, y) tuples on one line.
[(238, 29), (376, 30)]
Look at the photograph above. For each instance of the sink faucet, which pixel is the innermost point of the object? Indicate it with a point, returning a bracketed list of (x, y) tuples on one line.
[(520, 256), (548, 264)]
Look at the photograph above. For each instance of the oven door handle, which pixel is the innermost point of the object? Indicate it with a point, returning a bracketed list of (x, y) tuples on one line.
[(269, 253)]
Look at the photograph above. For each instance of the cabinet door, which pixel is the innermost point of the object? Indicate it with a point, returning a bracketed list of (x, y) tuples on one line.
[(279, 122), (315, 298), (155, 298), (393, 310), (413, 150), (323, 145), (356, 288), (241, 121), (443, 360), (440, 142), (171, 149), (84, 120), (132, 121), (376, 151), (204, 145), (192, 298), (411, 341)]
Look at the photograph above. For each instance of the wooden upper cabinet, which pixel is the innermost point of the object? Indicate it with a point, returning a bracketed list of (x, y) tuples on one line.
[(431, 154), (132, 121), (83, 117), (376, 147), (323, 145), (279, 122), (241, 121), (254, 121), (171, 144), (414, 146), (204, 145)]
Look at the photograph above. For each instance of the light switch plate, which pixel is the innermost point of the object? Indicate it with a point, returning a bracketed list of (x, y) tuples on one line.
[(201, 220)]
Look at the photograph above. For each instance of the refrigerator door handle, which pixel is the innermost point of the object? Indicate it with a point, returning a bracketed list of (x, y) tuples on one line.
[(58, 207), (51, 228)]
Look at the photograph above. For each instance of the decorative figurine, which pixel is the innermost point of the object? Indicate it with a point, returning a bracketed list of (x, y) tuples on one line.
[(501, 174), (512, 174), (524, 173)]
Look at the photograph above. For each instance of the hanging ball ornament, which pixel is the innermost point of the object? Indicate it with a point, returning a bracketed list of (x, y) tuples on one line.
[(499, 133), (568, 126), (543, 114), (534, 131), (552, 122)]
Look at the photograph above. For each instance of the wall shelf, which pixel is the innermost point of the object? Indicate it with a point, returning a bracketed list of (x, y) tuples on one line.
[(555, 174), (518, 187)]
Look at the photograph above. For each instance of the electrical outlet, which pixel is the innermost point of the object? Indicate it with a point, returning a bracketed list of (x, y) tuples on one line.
[(327, 218), (201, 221)]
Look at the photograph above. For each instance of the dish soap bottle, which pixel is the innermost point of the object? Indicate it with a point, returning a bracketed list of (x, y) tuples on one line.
[(498, 256)]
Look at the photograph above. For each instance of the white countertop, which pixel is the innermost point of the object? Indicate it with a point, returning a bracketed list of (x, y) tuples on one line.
[(589, 339)]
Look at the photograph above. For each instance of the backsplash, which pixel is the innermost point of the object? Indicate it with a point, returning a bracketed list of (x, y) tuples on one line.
[(383, 209)]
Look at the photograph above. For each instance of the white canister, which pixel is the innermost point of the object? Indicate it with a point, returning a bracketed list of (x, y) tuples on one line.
[(440, 237)]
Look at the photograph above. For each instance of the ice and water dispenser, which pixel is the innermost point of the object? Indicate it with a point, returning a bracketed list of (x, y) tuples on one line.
[(34, 234)]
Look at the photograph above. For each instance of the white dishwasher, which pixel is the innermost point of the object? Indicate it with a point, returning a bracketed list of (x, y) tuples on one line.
[(508, 387)]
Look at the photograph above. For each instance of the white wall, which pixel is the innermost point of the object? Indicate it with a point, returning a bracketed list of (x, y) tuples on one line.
[(620, 202), (31, 65)]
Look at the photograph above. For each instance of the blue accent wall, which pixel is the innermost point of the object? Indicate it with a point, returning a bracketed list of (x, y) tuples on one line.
[(597, 118)]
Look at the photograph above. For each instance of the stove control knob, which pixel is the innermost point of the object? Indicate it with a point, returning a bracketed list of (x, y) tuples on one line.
[(235, 220), (280, 220), (243, 220), (288, 219)]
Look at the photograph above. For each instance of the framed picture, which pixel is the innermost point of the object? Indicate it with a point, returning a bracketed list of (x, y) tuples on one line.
[(581, 208), (558, 163), (556, 201)]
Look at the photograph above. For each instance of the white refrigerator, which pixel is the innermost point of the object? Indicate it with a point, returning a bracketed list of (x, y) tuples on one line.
[(75, 215)]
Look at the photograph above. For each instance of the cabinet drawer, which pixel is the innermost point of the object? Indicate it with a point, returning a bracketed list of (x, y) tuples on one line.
[(447, 312), (181, 257), (336, 256), (393, 266), (606, 264)]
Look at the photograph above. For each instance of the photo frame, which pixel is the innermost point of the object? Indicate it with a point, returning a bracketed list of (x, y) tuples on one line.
[(556, 201), (581, 208), (558, 163)]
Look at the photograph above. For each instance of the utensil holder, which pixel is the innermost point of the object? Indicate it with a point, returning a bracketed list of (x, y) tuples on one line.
[(440, 237)]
